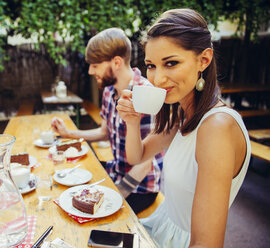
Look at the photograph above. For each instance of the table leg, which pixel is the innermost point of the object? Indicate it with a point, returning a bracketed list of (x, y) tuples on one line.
[(77, 115), (45, 108)]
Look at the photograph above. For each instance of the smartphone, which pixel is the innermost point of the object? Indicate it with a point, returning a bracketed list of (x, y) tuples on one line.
[(100, 238)]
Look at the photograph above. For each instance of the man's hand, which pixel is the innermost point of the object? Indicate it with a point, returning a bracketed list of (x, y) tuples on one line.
[(58, 126)]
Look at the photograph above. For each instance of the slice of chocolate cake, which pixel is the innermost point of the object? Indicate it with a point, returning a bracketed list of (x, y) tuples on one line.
[(63, 146), (20, 158), (88, 200)]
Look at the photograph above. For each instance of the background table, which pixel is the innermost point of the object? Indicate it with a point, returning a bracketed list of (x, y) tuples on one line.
[(50, 98), (65, 227)]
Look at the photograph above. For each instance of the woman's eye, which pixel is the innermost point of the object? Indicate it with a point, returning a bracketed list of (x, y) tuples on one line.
[(149, 66), (171, 63)]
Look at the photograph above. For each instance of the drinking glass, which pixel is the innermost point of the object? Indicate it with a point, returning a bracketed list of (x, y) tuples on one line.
[(44, 187), (58, 157)]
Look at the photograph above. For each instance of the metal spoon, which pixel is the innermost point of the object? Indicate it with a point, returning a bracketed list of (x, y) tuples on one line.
[(63, 174)]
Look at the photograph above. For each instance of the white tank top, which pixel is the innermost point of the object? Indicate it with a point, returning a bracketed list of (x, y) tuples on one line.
[(180, 172)]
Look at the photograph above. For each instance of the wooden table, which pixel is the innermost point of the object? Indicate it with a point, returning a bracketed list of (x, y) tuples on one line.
[(50, 98), (65, 227)]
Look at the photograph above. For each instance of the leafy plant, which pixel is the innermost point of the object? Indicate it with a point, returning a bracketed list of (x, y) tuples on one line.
[(59, 24)]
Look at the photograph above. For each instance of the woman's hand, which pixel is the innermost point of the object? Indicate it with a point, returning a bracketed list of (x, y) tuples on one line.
[(126, 110), (59, 127)]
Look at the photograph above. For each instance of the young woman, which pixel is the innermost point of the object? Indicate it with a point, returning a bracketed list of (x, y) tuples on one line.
[(207, 145)]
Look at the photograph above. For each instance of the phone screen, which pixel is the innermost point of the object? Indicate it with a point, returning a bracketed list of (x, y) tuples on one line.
[(118, 239)]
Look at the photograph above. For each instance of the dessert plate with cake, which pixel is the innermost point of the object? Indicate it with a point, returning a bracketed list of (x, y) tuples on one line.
[(77, 177), (72, 148), (24, 159), (88, 201)]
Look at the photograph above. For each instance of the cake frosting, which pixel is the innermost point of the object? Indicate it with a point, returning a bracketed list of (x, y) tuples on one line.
[(88, 200)]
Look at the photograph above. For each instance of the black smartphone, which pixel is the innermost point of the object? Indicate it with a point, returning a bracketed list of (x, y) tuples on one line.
[(100, 238)]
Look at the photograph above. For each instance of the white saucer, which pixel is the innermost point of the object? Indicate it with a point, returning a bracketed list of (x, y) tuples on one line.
[(28, 189), (41, 144), (77, 177), (103, 144)]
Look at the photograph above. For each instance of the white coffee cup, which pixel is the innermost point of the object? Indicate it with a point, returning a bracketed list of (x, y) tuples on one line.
[(47, 137), (21, 176), (148, 99)]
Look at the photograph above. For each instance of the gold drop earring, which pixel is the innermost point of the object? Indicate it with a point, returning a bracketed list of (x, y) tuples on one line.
[(200, 83)]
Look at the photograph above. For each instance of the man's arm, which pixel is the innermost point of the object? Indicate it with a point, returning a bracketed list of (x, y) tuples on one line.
[(91, 135), (134, 177)]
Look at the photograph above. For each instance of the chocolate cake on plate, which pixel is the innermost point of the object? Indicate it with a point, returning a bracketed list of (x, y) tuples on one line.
[(88, 200), (20, 158), (63, 146)]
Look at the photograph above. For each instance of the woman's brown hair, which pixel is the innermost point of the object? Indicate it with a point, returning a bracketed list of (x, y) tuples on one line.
[(189, 30)]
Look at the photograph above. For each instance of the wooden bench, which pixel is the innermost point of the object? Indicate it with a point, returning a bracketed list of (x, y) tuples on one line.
[(147, 212), (93, 111), (26, 108), (260, 151), (253, 113), (102, 153), (259, 134)]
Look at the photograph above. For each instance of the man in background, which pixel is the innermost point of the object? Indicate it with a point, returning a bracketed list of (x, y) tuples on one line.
[(109, 54)]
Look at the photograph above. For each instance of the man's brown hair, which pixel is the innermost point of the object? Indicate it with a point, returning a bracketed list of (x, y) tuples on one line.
[(106, 45)]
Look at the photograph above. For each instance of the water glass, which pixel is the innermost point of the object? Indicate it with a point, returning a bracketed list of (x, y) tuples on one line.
[(58, 157), (44, 187)]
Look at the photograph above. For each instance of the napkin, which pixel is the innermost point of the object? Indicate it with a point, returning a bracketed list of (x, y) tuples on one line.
[(78, 219), (29, 239)]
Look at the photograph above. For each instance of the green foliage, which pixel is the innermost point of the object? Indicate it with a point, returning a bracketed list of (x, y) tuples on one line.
[(75, 21)]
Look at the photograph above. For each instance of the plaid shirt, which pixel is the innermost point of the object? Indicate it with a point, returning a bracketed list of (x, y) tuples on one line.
[(118, 167)]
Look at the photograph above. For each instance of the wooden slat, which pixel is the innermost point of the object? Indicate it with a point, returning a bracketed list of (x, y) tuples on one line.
[(259, 134), (147, 212), (253, 113), (26, 108), (260, 151), (236, 88), (93, 111)]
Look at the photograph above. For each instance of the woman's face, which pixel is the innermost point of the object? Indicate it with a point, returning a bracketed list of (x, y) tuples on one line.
[(172, 68)]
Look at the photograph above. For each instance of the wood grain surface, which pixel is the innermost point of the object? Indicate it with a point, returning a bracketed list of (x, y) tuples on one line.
[(24, 128)]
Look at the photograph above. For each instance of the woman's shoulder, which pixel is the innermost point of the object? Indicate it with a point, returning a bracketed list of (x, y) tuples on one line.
[(220, 121)]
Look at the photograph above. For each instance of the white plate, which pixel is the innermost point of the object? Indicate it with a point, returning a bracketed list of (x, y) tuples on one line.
[(41, 144), (112, 202), (77, 177), (84, 150), (28, 189)]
